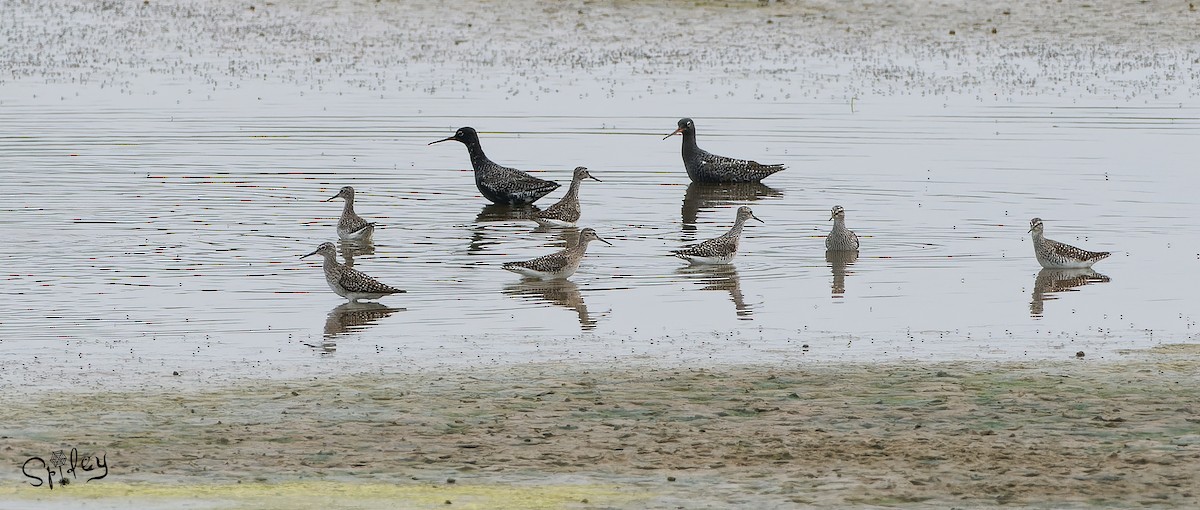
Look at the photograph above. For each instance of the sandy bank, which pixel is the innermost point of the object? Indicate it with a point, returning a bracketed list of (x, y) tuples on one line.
[(967, 434)]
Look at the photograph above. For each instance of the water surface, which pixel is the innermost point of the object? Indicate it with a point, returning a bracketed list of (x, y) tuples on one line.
[(157, 202)]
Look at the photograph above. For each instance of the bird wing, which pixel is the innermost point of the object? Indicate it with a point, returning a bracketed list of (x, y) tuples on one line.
[(1071, 252), (710, 248), (735, 169), (545, 263), (510, 180), (354, 280)]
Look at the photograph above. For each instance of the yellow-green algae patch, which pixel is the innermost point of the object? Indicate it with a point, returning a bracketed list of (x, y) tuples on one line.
[(323, 495)]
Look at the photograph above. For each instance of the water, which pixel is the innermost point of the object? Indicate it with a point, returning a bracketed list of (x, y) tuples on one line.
[(156, 204)]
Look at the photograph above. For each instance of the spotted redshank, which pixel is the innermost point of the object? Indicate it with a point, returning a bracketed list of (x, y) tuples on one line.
[(703, 166), (500, 184)]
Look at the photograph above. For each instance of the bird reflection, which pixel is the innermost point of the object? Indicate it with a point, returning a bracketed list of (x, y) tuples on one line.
[(354, 316), (720, 277), (565, 237), (352, 248), (495, 213), (700, 196), (563, 293), (838, 262), (1052, 281)]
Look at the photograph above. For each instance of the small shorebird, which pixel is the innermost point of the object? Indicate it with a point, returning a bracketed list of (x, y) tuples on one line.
[(703, 166), (1055, 255), (840, 238), (557, 265), (565, 212), (719, 250), (351, 227), (500, 184), (348, 282)]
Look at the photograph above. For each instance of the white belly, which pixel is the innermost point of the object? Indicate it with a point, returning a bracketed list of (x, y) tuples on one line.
[(361, 234), (706, 260), (553, 222), (542, 275)]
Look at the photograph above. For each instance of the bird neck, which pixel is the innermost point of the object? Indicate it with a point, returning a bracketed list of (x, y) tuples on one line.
[(330, 261), (736, 231), (689, 141), (839, 223), (348, 207), (574, 189), (478, 158)]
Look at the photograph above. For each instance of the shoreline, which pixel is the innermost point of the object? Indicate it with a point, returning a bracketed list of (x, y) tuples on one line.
[(966, 434)]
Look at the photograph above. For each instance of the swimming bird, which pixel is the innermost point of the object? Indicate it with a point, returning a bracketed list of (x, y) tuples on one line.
[(348, 282), (351, 227), (703, 166), (500, 184), (565, 212), (1055, 255), (840, 238), (557, 265), (719, 250)]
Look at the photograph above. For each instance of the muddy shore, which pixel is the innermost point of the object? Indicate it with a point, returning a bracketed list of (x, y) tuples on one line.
[(962, 434)]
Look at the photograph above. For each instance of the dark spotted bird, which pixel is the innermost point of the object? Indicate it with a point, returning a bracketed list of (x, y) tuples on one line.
[(719, 250), (348, 282), (703, 166), (565, 212), (557, 265), (351, 226), (497, 183), (1055, 255)]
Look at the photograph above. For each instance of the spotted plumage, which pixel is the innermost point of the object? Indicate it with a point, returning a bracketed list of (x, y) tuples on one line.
[(1055, 255), (557, 265), (565, 212), (500, 184), (840, 238), (351, 226), (719, 250), (703, 166), (348, 282)]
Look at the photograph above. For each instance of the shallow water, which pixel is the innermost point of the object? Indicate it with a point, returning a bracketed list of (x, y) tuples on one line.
[(154, 215)]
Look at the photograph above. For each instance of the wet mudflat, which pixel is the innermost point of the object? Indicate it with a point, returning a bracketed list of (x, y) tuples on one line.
[(1074, 434)]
